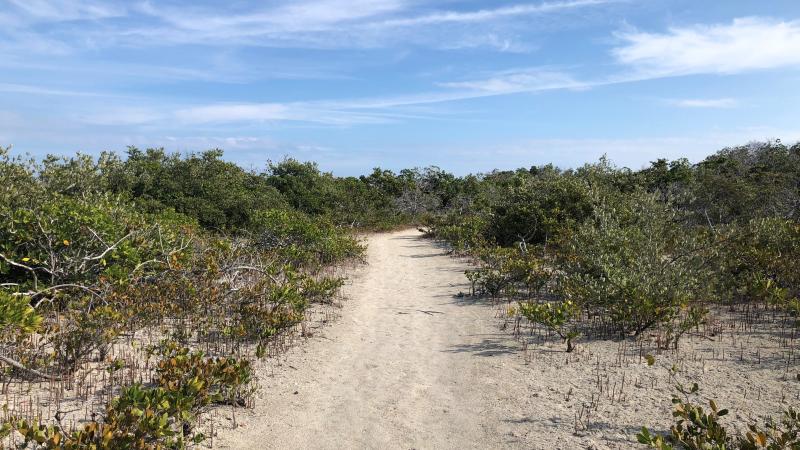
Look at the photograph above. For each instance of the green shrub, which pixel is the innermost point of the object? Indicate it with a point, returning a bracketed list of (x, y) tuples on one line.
[(17, 316), (204, 380), (301, 240), (139, 418), (219, 194), (58, 240), (537, 210), (634, 261), (558, 317), (760, 261), (696, 428)]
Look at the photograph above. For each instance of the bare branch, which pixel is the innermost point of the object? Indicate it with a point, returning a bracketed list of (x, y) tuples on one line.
[(97, 236), (22, 266), (142, 264), (35, 372), (105, 252), (254, 269), (64, 286)]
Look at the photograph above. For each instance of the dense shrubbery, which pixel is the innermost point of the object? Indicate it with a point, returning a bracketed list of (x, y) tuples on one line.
[(97, 253), (633, 261), (303, 240), (617, 253), (535, 209), (219, 194), (636, 251)]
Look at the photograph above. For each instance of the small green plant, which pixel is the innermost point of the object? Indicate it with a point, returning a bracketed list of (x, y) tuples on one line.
[(783, 435), (17, 315), (204, 380), (556, 316), (698, 429), (695, 428), (140, 418)]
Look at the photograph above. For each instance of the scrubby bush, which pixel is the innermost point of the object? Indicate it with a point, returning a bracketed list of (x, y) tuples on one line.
[(301, 239), (558, 317), (219, 194), (634, 261), (760, 260), (143, 417), (203, 379), (535, 210), (697, 428), (97, 254)]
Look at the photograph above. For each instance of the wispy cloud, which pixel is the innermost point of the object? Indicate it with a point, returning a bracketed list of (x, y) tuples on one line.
[(486, 15), (378, 109), (41, 90), (745, 44), (301, 23), (65, 10), (703, 102), (25, 43), (234, 113), (240, 114), (300, 16), (521, 80), (489, 40)]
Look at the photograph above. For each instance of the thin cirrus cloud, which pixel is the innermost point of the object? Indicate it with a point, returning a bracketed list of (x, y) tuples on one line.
[(335, 23), (17, 88), (379, 109), (748, 43), (517, 81), (704, 103), (66, 10), (320, 113), (234, 113), (304, 16), (75, 26), (333, 115), (485, 15)]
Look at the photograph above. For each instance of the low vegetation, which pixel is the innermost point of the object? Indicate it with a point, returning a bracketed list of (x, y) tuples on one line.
[(699, 429), (135, 294)]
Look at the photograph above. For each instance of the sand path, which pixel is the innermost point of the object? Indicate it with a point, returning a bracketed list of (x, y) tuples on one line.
[(407, 366)]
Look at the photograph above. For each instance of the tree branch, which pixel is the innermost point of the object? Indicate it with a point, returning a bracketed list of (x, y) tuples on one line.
[(22, 266), (35, 372), (105, 252)]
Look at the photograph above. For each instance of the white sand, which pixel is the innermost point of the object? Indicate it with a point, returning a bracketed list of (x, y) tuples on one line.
[(410, 366)]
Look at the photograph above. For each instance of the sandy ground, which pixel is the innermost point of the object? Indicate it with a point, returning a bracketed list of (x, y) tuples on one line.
[(411, 365)]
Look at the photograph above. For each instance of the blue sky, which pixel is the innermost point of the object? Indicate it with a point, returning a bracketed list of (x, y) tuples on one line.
[(467, 85)]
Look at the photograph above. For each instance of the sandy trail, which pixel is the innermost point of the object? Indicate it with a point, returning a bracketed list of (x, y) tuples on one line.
[(408, 366)]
